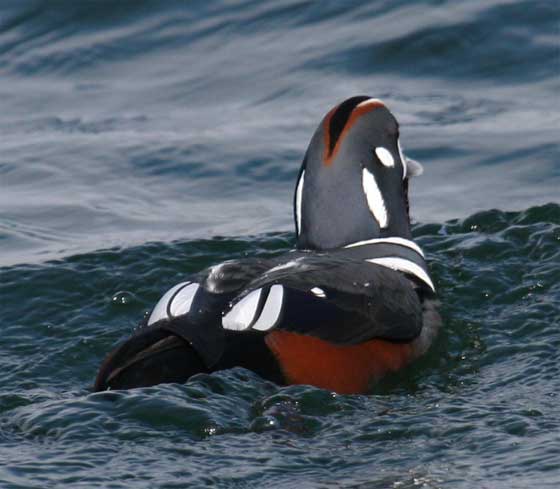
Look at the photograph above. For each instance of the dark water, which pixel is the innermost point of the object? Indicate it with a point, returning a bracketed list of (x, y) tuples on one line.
[(143, 141)]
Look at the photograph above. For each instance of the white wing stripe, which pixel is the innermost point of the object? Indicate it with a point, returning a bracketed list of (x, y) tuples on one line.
[(271, 310), (160, 309), (183, 300), (241, 315)]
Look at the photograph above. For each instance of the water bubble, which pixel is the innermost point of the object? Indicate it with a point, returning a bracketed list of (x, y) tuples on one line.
[(123, 298)]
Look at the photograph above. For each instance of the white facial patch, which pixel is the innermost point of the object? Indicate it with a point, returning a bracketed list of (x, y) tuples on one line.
[(406, 266), (299, 194), (182, 301), (374, 198), (385, 157), (160, 310), (242, 314), (272, 308)]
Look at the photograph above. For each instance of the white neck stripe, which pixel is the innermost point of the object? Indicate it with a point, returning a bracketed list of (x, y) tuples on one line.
[(403, 158), (374, 198), (402, 265), (299, 194), (395, 240)]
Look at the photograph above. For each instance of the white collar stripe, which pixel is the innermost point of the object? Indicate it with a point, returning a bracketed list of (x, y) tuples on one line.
[(394, 240), (402, 265)]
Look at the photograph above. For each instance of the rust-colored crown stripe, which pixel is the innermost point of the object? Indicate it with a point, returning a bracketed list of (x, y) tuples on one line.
[(341, 119)]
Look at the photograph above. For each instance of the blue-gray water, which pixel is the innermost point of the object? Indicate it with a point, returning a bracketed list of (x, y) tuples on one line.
[(141, 141)]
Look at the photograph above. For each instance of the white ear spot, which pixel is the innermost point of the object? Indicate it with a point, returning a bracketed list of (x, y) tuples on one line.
[(317, 291), (160, 309), (385, 157), (183, 300), (241, 315), (374, 198), (272, 308), (299, 194)]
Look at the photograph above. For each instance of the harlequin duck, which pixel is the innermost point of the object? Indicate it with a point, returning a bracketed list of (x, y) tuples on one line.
[(353, 301)]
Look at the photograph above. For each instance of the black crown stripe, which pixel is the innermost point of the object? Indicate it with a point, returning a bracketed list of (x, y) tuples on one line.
[(340, 118)]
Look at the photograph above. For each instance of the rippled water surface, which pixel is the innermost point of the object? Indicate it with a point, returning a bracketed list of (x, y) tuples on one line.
[(141, 141)]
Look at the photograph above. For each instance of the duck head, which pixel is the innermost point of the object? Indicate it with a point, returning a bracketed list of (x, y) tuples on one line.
[(353, 182)]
